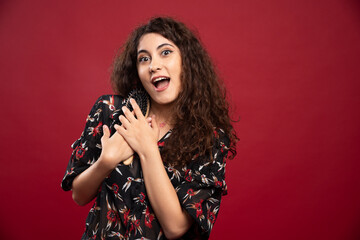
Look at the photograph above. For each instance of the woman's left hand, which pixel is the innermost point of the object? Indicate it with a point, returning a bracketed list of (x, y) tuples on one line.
[(139, 132)]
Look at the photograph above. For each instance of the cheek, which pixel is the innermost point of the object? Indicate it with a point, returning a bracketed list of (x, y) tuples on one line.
[(142, 79), (178, 64), (141, 73), (179, 71), (176, 69)]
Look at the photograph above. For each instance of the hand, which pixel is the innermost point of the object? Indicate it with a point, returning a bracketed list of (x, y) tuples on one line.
[(140, 133), (114, 149)]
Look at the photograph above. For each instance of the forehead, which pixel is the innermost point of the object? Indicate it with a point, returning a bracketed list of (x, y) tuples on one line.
[(151, 41)]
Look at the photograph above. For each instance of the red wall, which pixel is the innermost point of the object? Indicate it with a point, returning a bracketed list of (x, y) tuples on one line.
[(292, 69)]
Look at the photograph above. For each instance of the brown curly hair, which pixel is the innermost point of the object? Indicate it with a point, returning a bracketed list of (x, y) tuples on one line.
[(200, 106)]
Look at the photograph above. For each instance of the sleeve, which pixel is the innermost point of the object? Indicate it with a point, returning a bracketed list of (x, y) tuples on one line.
[(86, 149), (203, 186)]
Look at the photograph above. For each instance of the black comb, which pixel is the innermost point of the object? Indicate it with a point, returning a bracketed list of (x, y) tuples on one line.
[(142, 99)]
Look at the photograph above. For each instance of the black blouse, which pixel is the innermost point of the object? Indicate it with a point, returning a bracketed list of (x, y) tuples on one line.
[(122, 209)]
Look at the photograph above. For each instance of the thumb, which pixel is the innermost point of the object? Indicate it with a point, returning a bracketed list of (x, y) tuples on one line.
[(106, 132)]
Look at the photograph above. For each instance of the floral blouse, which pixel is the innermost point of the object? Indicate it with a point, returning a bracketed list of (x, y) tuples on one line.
[(122, 209)]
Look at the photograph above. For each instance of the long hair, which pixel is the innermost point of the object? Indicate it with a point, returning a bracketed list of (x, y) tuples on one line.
[(201, 105)]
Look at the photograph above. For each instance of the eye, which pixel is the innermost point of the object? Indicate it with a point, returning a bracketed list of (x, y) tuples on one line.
[(166, 52), (143, 59)]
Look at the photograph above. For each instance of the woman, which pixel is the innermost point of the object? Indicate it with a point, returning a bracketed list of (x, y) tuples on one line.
[(173, 186)]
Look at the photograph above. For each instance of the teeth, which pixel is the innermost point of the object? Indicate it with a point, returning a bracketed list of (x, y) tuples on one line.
[(160, 79)]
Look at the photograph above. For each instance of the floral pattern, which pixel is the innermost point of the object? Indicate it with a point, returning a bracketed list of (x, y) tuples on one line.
[(122, 209)]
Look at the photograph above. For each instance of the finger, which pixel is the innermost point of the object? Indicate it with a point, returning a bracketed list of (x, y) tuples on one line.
[(117, 126), (106, 133), (117, 134), (148, 120), (120, 129), (129, 115), (136, 108), (124, 121)]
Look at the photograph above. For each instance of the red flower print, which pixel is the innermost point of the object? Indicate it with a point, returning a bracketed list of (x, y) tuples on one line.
[(188, 176), (131, 227), (79, 152), (211, 217), (126, 217), (190, 192), (110, 103), (97, 129), (175, 173), (198, 208), (148, 218), (161, 144), (218, 183), (137, 222), (111, 215), (115, 188), (142, 197), (216, 134), (94, 206)]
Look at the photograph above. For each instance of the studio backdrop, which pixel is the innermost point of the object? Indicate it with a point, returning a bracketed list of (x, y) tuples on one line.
[(292, 73)]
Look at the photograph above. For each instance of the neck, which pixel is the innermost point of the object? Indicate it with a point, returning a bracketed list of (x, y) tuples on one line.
[(163, 113)]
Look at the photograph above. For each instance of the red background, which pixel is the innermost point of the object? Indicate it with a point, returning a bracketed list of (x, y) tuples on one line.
[(292, 70)]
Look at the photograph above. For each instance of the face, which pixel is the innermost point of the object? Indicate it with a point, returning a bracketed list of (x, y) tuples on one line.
[(159, 68)]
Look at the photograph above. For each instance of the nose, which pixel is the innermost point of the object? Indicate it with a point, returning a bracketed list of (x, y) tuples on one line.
[(155, 65)]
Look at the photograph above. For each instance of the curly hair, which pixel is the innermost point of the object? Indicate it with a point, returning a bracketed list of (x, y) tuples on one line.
[(201, 105)]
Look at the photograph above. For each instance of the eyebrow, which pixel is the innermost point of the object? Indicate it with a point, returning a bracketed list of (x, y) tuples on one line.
[(160, 46)]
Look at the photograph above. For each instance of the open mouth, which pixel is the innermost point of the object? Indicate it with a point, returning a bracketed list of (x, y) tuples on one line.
[(161, 83)]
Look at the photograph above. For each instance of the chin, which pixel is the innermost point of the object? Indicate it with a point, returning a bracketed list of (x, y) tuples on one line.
[(164, 101)]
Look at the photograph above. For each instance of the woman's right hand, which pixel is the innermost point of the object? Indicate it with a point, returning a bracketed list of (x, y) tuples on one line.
[(114, 149)]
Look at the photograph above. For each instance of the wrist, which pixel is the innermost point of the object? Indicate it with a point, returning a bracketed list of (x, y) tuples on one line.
[(104, 165), (149, 153)]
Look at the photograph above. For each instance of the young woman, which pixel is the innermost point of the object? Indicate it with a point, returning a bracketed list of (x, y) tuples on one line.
[(172, 188)]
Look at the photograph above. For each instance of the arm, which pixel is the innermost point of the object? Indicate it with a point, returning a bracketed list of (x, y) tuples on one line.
[(143, 138), (162, 195), (114, 150)]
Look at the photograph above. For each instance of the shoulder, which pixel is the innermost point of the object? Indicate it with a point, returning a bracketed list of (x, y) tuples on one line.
[(112, 102), (107, 104), (104, 109)]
